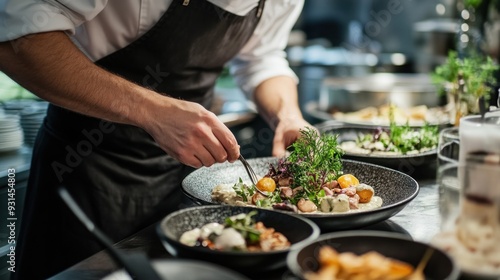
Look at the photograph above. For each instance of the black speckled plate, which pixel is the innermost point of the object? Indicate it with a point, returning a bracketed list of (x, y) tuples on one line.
[(398, 162), (391, 245), (297, 230), (395, 188)]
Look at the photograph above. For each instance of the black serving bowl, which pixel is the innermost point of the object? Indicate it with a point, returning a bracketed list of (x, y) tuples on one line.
[(297, 230), (405, 163), (391, 245), (395, 188)]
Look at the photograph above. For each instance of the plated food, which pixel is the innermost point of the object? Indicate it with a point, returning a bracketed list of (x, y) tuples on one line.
[(270, 253), (472, 235), (473, 243), (368, 266), (415, 116), (422, 159), (237, 233), (395, 188), (366, 255), (310, 180), (396, 140)]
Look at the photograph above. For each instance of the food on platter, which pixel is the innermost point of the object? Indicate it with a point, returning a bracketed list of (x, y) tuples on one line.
[(310, 180), (238, 233), (396, 140), (473, 239), (417, 115), (473, 243), (369, 266)]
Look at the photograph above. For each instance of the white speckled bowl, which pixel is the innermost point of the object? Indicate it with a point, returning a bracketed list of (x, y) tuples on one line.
[(396, 189), (297, 230)]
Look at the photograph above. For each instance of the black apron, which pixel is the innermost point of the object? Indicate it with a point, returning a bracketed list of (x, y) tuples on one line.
[(116, 172)]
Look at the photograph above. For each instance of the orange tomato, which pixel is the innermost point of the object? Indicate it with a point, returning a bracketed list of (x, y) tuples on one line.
[(347, 180), (266, 184)]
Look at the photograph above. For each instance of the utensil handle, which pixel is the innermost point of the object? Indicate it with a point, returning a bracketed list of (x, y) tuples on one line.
[(84, 219), (137, 265)]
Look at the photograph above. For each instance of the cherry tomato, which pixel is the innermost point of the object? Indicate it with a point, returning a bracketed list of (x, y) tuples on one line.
[(266, 184), (347, 180)]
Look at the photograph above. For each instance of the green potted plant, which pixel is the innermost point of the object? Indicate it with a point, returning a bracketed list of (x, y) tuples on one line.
[(465, 80)]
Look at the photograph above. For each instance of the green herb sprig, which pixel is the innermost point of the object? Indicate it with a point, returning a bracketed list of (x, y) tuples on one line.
[(314, 160), (245, 225), (243, 190), (406, 139)]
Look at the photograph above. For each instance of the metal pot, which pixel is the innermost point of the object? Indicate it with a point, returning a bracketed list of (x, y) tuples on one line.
[(350, 94), (433, 39)]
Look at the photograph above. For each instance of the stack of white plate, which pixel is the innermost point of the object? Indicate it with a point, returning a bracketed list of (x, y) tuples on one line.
[(31, 120), (15, 106), (31, 113), (11, 133)]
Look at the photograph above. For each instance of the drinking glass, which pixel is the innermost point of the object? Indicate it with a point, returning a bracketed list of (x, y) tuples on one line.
[(477, 134), (447, 176), (448, 146), (470, 211), (449, 194)]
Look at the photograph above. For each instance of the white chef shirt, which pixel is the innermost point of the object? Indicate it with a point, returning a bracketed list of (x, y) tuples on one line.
[(100, 27)]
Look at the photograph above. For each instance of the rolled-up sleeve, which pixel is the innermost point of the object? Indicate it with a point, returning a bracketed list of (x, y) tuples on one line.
[(264, 56), (23, 17)]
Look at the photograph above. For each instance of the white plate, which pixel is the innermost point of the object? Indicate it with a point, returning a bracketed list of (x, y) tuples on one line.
[(185, 270), (11, 148), (312, 108), (9, 137)]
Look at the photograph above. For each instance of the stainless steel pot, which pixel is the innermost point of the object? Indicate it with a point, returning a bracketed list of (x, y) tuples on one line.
[(348, 94)]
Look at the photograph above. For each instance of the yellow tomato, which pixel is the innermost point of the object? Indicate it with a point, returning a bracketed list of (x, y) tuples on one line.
[(347, 180), (266, 184)]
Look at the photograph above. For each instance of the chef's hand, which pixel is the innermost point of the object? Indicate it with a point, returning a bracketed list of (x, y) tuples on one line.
[(191, 134), (287, 131), (277, 101)]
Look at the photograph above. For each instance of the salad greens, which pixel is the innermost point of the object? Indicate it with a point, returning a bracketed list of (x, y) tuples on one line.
[(407, 139), (245, 225), (245, 192), (400, 138)]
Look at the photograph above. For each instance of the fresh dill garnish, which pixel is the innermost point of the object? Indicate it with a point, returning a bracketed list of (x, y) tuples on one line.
[(315, 159)]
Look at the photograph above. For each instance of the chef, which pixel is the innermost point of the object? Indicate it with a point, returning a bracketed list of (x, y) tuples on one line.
[(130, 84)]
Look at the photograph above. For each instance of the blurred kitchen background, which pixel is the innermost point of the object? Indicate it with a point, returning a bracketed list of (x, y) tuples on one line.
[(335, 39), (332, 39)]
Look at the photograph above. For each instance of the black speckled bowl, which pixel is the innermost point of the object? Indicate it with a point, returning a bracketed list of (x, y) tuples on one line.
[(391, 245), (398, 162), (395, 188), (297, 230)]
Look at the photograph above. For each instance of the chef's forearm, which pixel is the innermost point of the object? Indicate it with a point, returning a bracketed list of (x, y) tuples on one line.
[(50, 66), (277, 100)]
